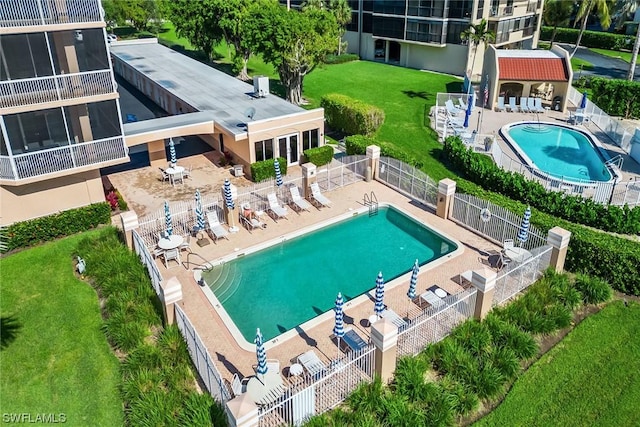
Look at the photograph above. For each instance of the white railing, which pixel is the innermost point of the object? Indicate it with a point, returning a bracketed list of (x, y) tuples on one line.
[(20, 13), (434, 324), (147, 260), (616, 129), (309, 396), (57, 159), (39, 90), (339, 173), (202, 359), (516, 277), (502, 224), (408, 180)]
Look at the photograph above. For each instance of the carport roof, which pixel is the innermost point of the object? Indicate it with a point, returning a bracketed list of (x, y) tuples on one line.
[(532, 65)]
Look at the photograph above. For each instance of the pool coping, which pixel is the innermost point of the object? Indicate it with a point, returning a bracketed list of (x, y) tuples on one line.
[(595, 142), (312, 323)]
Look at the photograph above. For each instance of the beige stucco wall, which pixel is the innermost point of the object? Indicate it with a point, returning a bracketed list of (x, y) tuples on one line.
[(42, 198)]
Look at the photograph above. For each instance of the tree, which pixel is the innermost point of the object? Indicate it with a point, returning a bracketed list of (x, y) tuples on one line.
[(623, 9), (634, 55), (293, 42), (557, 13), (476, 34), (197, 22), (342, 12), (142, 14), (586, 7)]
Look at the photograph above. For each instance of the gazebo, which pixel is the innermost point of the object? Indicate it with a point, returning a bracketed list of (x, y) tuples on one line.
[(544, 74)]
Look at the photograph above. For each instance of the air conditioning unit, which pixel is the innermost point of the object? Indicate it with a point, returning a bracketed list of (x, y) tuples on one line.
[(260, 86)]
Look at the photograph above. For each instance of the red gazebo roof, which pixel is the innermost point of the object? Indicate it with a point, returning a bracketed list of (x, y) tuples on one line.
[(533, 69)]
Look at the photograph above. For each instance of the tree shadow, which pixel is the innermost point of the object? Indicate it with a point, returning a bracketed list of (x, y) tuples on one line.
[(9, 328), (413, 94), (454, 87)]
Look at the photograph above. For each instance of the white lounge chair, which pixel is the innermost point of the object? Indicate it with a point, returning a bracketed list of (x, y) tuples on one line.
[(311, 362), (352, 340), (537, 105), (501, 106), (317, 197), (215, 230), (462, 105), (299, 203), (531, 103), (238, 386), (452, 109), (249, 219), (523, 105), (512, 104), (276, 210)]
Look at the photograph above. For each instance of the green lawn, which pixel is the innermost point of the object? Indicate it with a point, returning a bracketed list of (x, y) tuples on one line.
[(404, 94), (625, 56), (592, 377), (60, 361), (576, 63)]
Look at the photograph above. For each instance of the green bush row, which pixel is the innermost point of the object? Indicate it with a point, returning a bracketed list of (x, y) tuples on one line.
[(264, 169), (476, 168), (319, 156), (597, 39), (616, 97), (357, 144), (341, 59), (33, 231), (351, 116)]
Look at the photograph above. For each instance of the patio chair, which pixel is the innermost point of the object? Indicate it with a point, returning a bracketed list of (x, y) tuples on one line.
[(352, 340), (507, 244), (156, 252), (394, 318), (537, 104), (249, 219), (531, 103), (452, 109), (275, 209), (501, 106), (186, 244), (165, 175), (317, 197), (512, 104), (273, 365), (462, 105), (299, 203), (215, 230), (187, 172), (238, 386), (171, 254), (523, 105), (311, 362)]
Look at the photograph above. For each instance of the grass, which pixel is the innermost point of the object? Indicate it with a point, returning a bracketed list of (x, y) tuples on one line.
[(589, 378), (60, 361), (625, 56), (577, 64), (404, 94)]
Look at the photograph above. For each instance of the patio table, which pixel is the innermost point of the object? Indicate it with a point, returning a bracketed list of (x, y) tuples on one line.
[(170, 242), (517, 254), (173, 172)]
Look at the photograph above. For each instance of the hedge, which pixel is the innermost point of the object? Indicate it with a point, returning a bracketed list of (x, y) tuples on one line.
[(351, 116), (264, 169), (341, 59), (616, 97), (31, 232), (577, 209), (595, 39), (357, 144), (319, 156)]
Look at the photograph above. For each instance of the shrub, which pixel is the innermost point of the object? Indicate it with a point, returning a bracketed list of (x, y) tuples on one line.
[(597, 39), (357, 144), (616, 97), (319, 156), (350, 115), (593, 289), (264, 169), (31, 232), (341, 59)]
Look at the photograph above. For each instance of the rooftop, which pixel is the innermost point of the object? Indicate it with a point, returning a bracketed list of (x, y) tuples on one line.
[(535, 69)]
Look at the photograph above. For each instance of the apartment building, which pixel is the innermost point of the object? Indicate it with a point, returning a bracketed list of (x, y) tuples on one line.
[(59, 111), (425, 34)]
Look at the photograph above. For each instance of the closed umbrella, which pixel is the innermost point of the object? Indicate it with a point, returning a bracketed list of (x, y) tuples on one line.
[(379, 305), (469, 110), (338, 329), (172, 152), (411, 292), (261, 355), (583, 101), (276, 165), (523, 233), (199, 212), (167, 219), (228, 199)]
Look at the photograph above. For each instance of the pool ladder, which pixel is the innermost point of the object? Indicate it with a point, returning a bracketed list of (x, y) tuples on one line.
[(372, 201)]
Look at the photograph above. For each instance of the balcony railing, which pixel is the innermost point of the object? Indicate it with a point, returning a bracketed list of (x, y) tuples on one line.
[(22, 13), (38, 90), (67, 158), (496, 12)]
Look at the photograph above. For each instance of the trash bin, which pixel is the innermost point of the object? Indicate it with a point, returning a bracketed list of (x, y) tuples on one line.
[(557, 103)]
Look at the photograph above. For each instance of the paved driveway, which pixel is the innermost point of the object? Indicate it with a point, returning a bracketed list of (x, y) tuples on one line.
[(603, 66)]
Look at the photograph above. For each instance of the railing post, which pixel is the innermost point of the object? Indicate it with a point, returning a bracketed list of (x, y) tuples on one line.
[(242, 412), (373, 156), (129, 222), (171, 294), (484, 281), (558, 238), (446, 190), (308, 178), (384, 336)]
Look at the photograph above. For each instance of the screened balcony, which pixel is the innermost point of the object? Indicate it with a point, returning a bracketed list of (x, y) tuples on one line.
[(26, 13)]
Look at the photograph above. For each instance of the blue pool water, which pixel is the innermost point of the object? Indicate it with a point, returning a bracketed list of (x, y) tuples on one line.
[(560, 151), (283, 286)]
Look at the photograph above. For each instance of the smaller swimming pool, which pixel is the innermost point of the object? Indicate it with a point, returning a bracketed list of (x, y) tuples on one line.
[(559, 151)]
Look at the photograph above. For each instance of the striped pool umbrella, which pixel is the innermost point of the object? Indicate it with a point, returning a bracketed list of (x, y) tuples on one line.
[(276, 165), (379, 305), (228, 199), (467, 113), (199, 212), (338, 329), (583, 101), (172, 152), (167, 218), (261, 354), (523, 234), (411, 293)]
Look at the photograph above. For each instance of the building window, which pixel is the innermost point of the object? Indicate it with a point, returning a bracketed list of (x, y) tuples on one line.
[(310, 139), (426, 8), (454, 29), (264, 150), (24, 56), (367, 23), (424, 31), (36, 130), (388, 27), (460, 8), (353, 25), (480, 11), (390, 7)]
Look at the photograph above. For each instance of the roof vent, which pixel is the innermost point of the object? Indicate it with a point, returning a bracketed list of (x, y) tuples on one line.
[(260, 86)]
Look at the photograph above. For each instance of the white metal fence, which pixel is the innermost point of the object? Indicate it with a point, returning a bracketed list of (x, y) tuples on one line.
[(516, 277), (202, 359), (339, 173), (147, 260), (408, 180), (18, 13)]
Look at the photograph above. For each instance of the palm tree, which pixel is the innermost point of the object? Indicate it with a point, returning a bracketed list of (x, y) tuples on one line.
[(634, 55), (557, 13), (341, 10), (586, 7), (622, 10), (476, 34)]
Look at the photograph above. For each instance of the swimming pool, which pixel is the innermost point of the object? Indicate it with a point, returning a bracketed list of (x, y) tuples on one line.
[(559, 151), (297, 278)]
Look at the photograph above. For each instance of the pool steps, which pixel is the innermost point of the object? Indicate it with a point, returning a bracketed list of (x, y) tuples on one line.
[(227, 281)]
